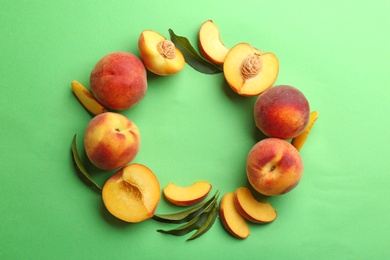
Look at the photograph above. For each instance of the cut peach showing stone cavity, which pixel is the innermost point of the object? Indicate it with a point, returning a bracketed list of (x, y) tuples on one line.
[(187, 196), (160, 55), (251, 209), (132, 194), (210, 43), (249, 71), (231, 219), (300, 140)]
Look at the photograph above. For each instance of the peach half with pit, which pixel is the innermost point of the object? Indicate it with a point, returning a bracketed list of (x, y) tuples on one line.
[(274, 167), (188, 195), (160, 55), (118, 80), (249, 71), (111, 140), (251, 209), (282, 111), (132, 194), (210, 43), (231, 219)]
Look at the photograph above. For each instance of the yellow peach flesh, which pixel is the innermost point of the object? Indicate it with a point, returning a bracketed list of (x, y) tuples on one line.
[(300, 140), (251, 209), (153, 59), (186, 196), (232, 220), (132, 194), (254, 85), (210, 43)]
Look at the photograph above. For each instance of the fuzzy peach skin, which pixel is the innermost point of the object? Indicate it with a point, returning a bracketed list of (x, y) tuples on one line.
[(132, 194), (111, 141), (274, 167), (282, 111), (119, 81)]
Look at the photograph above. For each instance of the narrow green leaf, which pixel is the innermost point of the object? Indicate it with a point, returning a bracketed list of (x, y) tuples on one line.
[(186, 215), (192, 57), (81, 171), (211, 216)]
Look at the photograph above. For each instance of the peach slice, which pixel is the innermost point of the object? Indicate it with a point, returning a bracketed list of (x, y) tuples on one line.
[(210, 43), (300, 140), (187, 196), (159, 55), (249, 71), (87, 99), (251, 209), (231, 219), (132, 194)]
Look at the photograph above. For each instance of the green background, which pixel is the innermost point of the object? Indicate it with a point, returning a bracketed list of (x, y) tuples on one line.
[(194, 127)]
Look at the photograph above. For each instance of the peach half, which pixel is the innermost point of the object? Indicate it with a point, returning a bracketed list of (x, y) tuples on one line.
[(251, 209), (231, 219), (210, 43), (249, 71), (132, 194), (187, 196), (160, 55)]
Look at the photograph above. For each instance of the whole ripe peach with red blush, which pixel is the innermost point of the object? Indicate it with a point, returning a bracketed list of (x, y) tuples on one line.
[(274, 167), (111, 141), (119, 81), (281, 111)]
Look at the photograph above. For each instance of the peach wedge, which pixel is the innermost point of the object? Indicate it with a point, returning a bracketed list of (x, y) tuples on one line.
[(160, 55), (87, 99), (210, 43), (249, 71), (187, 196), (132, 194), (251, 209), (231, 219), (300, 140)]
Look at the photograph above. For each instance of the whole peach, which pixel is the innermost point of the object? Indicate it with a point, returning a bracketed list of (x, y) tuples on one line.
[(281, 111), (119, 81), (111, 141), (274, 167)]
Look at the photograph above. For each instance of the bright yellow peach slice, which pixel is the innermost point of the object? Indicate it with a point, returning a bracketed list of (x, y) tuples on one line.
[(87, 99), (248, 71), (251, 209), (160, 55), (300, 140), (210, 43), (132, 194), (231, 219), (187, 196)]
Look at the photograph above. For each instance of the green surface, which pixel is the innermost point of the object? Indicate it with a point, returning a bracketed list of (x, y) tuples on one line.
[(194, 127)]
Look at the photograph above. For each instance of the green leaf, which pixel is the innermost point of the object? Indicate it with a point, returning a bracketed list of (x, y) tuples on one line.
[(202, 222), (192, 57), (209, 222), (186, 215), (80, 169)]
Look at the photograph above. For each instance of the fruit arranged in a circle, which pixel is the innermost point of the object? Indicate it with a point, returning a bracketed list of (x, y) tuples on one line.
[(189, 195), (111, 140), (231, 219), (132, 194), (118, 80), (281, 111), (249, 71), (251, 209), (160, 55), (210, 43), (274, 167)]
